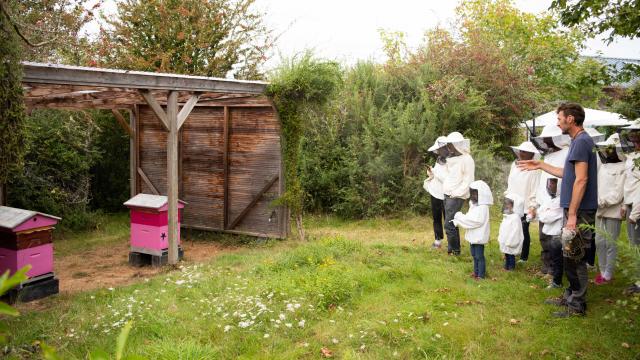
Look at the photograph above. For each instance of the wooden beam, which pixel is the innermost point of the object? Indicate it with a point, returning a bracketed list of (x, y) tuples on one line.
[(155, 106), (253, 202), (133, 164), (137, 127), (148, 182), (122, 121), (77, 75), (225, 166), (186, 109), (235, 232), (172, 175)]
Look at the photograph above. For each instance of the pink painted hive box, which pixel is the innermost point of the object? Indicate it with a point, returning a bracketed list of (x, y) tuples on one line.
[(26, 239), (150, 223)]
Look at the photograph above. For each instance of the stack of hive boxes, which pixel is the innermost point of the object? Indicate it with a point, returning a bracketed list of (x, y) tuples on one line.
[(150, 229), (26, 239)]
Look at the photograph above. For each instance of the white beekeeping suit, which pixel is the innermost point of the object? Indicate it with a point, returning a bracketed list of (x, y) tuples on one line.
[(611, 179), (510, 234), (522, 182), (631, 188), (433, 184), (551, 213), (476, 220), (555, 148), (460, 167)]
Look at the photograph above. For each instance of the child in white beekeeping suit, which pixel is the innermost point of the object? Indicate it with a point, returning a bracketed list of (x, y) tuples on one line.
[(554, 146), (433, 185), (510, 234), (550, 215), (524, 184), (476, 223), (611, 176)]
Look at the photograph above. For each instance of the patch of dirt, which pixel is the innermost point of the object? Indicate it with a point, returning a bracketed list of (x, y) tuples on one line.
[(108, 266)]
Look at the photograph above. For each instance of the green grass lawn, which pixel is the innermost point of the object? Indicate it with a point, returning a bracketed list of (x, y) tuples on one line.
[(368, 289)]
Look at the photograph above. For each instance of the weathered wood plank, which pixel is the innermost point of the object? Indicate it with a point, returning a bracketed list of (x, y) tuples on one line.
[(123, 123), (155, 106), (186, 109), (172, 175), (225, 164), (76, 75), (253, 202), (146, 180), (133, 154)]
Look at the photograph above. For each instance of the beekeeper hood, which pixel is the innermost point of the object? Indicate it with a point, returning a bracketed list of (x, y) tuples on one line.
[(596, 135), (441, 141), (518, 203), (551, 139), (610, 151), (528, 148), (484, 196), (629, 136), (457, 144)]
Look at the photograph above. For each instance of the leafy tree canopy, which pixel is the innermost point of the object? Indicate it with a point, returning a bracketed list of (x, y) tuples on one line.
[(619, 17), (198, 37)]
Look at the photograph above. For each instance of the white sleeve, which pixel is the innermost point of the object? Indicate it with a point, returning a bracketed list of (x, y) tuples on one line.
[(548, 215), (533, 189), (475, 218), (614, 194), (469, 171), (440, 172)]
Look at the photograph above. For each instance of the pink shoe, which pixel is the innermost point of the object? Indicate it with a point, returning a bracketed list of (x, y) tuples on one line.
[(600, 280)]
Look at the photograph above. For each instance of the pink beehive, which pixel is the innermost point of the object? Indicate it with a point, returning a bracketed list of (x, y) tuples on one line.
[(26, 239), (150, 223)]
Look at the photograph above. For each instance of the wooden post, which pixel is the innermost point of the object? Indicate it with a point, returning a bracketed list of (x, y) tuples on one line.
[(172, 174), (133, 151), (3, 194), (225, 167)]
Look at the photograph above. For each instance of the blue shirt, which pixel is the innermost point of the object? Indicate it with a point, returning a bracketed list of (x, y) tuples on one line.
[(581, 150)]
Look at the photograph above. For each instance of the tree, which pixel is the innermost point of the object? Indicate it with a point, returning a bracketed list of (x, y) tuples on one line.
[(51, 29), (620, 17), (200, 37)]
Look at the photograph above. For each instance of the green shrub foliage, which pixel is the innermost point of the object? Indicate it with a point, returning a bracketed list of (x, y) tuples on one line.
[(299, 86), (11, 104), (75, 162)]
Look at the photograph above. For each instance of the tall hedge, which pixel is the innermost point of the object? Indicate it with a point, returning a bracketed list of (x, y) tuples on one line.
[(12, 111)]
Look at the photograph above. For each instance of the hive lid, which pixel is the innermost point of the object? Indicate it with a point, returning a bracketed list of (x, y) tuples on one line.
[(148, 201), (12, 217)]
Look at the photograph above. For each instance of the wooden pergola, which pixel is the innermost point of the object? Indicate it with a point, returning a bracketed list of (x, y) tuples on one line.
[(172, 99)]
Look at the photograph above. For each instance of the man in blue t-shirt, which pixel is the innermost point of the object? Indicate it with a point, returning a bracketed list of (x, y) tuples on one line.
[(579, 198)]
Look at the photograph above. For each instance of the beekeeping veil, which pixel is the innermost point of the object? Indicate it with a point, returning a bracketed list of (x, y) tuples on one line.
[(457, 144), (526, 151), (610, 151), (551, 140)]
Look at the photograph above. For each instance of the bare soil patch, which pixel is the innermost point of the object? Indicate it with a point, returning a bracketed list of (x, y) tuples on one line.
[(108, 266)]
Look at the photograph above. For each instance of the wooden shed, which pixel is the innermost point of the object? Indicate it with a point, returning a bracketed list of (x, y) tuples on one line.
[(214, 143)]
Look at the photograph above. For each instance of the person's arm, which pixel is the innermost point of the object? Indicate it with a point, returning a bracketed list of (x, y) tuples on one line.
[(539, 164), (579, 187)]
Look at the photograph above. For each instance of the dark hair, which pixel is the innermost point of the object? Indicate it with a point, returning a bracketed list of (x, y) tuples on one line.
[(574, 110)]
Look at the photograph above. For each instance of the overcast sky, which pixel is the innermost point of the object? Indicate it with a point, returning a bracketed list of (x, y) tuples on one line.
[(347, 30)]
